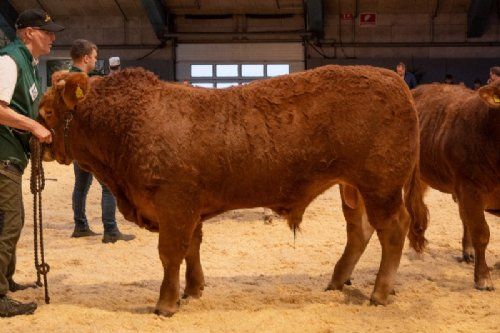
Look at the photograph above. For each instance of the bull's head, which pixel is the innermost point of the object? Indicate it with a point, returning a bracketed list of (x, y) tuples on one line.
[(56, 112), (491, 94)]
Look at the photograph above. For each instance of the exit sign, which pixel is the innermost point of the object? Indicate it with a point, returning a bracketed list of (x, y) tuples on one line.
[(368, 19), (347, 17)]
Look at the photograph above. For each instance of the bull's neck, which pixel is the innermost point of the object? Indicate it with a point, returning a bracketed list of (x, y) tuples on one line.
[(86, 141)]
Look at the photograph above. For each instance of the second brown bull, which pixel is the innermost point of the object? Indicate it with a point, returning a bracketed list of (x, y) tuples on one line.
[(174, 156), (460, 154)]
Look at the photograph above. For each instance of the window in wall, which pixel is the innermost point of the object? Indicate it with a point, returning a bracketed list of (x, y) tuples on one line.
[(203, 85), (226, 84), (275, 70), (56, 65), (227, 75), (226, 71), (201, 70), (252, 70)]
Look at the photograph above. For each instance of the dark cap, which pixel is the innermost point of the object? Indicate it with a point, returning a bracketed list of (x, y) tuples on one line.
[(37, 18)]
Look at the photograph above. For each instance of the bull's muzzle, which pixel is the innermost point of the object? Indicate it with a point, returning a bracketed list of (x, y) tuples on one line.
[(47, 154)]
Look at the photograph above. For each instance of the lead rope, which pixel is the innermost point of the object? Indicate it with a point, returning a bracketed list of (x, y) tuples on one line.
[(37, 184)]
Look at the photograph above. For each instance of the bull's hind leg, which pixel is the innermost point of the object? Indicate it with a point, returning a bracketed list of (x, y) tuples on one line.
[(359, 232), (195, 281), (471, 212), (391, 221)]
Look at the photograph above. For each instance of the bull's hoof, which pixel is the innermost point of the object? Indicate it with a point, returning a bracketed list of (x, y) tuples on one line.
[(197, 293), (348, 282), (167, 314), (485, 285), (166, 310), (377, 299), (467, 258), (333, 286)]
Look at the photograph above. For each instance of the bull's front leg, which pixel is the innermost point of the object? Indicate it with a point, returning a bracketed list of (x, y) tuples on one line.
[(174, 242), (467, 248), (195, 280)]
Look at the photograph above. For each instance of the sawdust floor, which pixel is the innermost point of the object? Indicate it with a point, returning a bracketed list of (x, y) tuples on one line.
[(258, 278)]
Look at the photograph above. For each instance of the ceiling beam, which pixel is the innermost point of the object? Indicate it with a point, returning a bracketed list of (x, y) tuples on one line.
[(160, 18), (8, 16), (477, 17)]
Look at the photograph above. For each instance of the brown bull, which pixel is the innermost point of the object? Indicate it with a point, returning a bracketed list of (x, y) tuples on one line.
[(175, 156), (460, 154)]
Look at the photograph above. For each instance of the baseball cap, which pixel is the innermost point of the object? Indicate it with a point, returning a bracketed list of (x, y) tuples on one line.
[(114, 61), (37, 18)]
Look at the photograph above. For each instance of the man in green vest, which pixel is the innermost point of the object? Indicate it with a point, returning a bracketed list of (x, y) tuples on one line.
[(20, 93)]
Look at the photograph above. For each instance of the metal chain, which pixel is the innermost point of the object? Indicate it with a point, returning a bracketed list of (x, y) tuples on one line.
[(37, 184)]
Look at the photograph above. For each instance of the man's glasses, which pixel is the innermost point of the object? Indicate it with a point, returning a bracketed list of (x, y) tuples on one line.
[(49, 33)]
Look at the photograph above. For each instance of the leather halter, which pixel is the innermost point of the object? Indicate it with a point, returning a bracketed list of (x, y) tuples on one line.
[(66, 121)]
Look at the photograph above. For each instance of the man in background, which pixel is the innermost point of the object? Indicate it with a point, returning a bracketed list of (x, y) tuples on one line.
[(408, 77), (84, 57), (494, 74), (114, 64)]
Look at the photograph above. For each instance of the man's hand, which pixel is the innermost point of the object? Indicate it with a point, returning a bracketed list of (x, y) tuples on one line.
[(42, 134), (9, 117)]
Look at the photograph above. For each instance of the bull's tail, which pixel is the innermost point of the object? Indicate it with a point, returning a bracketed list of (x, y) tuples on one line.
[(419, 214)]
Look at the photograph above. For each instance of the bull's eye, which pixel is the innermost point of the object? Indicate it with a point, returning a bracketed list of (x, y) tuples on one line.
[(44, 113)]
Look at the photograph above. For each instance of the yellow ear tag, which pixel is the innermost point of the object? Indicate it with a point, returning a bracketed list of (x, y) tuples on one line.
[(496, 99), (79, 92)]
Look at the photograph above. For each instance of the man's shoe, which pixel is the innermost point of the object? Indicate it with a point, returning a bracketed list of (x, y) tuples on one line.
[(14, 286), (113, 236), (83, 232), (11, 308)]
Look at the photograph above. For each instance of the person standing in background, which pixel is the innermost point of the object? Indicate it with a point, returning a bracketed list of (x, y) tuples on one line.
[(494, 74), (84, 57), (114, 64), (408, 77)]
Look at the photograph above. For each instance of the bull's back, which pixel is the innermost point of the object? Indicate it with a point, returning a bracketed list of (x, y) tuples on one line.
[(276, 138), (322, 124)]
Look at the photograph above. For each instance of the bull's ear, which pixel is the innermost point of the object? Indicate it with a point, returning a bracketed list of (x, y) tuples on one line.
[(59, 76), (491, 95), (76, 87)]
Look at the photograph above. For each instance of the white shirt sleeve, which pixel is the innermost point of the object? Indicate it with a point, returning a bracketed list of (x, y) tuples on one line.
[(8, 78)]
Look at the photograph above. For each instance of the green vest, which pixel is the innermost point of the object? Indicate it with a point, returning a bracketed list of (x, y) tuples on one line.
[(75, 69), (14, 145)]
